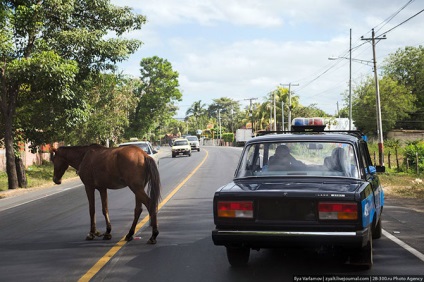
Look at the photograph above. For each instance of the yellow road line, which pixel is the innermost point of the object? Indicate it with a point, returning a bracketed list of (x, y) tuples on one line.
[(108, 256)]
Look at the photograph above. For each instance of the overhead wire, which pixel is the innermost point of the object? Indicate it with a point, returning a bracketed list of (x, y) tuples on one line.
[(402, 22), (331, 67)]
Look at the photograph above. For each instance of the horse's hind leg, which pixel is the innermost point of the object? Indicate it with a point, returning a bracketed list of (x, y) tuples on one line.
[(153, 224), (105, 210), (137, 212)]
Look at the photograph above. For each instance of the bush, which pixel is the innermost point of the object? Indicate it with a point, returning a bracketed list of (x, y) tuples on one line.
[(412, 151), (228, 137)]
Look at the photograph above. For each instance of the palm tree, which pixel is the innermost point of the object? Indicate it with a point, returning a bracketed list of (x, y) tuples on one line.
[(196, 110)]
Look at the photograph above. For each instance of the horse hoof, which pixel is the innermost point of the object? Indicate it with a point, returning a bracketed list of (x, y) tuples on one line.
[(107, 236), (128, 238), (90, 237), (98, 234), (151, 241)]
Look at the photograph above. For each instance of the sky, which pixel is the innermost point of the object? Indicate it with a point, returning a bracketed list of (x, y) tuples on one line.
[(244, 49)]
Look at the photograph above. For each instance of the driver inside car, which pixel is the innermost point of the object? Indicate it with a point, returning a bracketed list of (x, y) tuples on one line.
[(283, 160)]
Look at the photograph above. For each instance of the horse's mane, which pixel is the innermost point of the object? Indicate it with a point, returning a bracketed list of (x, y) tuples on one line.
[(79, 150), (83, 147)]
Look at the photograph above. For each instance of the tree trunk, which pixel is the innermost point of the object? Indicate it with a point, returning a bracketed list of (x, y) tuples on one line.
[(8, 108), (20, 170), (12, 176)]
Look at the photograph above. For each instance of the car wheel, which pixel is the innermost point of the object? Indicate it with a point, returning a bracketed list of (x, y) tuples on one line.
[(173, 155), (364, 257), (198, 149), (189, 154), (377, 230), (238, 256)]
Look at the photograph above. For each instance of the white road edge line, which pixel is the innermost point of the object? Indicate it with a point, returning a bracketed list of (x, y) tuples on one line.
[(42, 197), (404, 245)]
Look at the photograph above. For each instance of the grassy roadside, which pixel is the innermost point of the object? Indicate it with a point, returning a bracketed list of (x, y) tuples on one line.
[(395, 184), (37, 176), (402, 185)]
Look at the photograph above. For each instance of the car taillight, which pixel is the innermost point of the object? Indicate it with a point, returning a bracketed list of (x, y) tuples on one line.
[(235, 209), (337, 210)]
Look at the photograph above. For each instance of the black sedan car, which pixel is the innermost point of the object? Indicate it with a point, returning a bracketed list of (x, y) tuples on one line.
[(301, 189)]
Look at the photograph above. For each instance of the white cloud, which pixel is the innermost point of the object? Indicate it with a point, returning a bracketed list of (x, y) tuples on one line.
[(244, 49)]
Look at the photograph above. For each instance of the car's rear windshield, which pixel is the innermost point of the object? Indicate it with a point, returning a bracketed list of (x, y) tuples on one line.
[(143, 146), (299, 158), (180, 143), (192, 138)]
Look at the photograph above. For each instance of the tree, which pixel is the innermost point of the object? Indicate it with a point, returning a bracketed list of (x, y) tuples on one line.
[(157, 93), (110, 101), (176, 127), (227, 109), (407, 68), (309, 111), (196, 110), (48, 49), (396, 104), (265, 113)]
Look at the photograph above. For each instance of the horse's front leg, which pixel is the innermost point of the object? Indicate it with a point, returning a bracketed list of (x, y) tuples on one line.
[(105, 210), (91, 207)]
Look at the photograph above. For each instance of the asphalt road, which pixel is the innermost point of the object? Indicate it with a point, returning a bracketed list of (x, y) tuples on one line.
[(43, 234)]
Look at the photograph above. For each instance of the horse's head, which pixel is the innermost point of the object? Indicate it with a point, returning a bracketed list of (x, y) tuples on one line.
[(60, 163)]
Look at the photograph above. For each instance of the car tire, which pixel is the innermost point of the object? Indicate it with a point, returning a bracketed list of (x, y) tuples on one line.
[(364, 257), (173, 155), (238, 256), (198, 150), (377, 230)]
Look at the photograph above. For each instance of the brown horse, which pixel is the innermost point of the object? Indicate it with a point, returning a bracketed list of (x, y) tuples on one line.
[(104, 168)]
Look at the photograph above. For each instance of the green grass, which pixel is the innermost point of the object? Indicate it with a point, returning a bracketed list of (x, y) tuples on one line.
[(37, 175)]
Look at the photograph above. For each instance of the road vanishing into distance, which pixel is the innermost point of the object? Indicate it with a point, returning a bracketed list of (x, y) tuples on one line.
[(42, 234)]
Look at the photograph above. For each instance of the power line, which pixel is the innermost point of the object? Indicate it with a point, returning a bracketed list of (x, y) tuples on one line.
[(386, 21), (328, 69), (402, 22)]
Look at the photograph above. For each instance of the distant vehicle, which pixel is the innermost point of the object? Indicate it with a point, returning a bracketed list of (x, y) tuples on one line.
[(181, 146), (194, 142), (305, 188), (243, 135), (146, 146), (339, 124)]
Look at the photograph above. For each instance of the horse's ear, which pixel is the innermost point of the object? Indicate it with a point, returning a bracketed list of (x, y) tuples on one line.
[(52, 153)]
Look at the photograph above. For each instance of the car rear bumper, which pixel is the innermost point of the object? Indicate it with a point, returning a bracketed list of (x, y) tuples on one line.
[(268, 239), (181, 151)]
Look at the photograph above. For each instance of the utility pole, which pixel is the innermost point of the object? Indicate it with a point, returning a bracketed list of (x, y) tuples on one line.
[(282, 115), (275, 114), (338, 111), (250, 110), (290, 106), (220, 133), (378, 105), (350, 81)]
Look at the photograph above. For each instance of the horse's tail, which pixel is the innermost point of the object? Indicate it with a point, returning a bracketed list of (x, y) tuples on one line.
[(154, 186)]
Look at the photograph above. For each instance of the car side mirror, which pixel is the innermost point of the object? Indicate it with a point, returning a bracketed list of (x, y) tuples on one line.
[(381, 168), (370, 169), (374, 169)]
